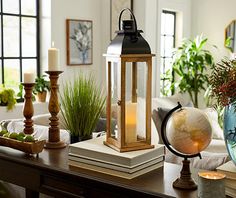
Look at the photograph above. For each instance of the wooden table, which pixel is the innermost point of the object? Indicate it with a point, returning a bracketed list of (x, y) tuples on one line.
[(50, 174)]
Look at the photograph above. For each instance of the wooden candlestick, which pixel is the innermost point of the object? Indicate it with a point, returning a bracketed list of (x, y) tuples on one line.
[(28, 110), (53, 107)]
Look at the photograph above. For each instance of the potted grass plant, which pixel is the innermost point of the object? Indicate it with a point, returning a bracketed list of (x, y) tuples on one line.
[(82, 103)]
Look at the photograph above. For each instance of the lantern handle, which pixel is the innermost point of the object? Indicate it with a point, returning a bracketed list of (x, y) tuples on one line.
[(131, 13)]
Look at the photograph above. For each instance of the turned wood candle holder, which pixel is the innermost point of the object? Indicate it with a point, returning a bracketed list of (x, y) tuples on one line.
[(28, 109), (53, 107)]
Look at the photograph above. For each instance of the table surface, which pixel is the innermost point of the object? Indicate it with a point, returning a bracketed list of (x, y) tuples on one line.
[(54, 162)]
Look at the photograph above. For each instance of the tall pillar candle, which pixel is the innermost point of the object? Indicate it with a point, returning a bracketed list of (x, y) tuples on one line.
[(130, 122), (29, 77), (211, 184), (53, 59)]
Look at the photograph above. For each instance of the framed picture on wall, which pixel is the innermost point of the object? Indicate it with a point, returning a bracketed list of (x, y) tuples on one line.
[(79, 42), (116, 7)]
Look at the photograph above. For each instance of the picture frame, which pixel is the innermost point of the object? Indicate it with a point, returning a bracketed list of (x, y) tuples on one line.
[(79, 41), (115, 9), (230, 36)]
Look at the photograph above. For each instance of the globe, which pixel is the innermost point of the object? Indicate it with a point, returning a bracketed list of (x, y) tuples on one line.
[(188, 130)]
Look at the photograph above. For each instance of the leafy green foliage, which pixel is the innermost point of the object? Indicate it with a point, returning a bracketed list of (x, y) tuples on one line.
[(7, 98), (190, 64), (41, 85), (81, 105)]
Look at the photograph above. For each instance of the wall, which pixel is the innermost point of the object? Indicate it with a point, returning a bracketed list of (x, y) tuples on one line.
[(148, 14), (77, 9), (211, 17)]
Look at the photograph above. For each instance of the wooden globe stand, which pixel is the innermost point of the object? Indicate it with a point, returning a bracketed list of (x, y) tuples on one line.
[(53, 107), (28, 110), (185, 181)]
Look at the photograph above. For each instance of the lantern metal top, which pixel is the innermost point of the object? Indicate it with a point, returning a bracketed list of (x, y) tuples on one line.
[(128, 39)]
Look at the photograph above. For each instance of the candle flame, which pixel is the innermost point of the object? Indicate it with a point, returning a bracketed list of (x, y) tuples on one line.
[(52, 43)]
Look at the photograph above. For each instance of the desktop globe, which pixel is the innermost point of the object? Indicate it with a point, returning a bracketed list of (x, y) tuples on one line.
[(188, 131)]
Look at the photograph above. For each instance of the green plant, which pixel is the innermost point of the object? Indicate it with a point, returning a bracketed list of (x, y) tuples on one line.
[(190, 64), (7, 98), (20, 97), (41, 85), (81, 105), (223, 82)]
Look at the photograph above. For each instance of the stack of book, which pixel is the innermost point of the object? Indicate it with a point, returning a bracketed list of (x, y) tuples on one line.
[(229, 169), (94, 155)]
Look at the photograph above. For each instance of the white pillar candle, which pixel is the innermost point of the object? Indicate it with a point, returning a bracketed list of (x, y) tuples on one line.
[(211, 184), (130, 122), (53, 59), (29, 77)]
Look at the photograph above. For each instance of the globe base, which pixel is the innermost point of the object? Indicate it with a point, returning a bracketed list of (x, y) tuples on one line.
[(185, 181)]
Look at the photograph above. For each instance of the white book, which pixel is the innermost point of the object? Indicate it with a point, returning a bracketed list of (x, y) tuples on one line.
[(229, 169), (115, 172), (95, 149), (117, 166), (230, 192), (231, 183)]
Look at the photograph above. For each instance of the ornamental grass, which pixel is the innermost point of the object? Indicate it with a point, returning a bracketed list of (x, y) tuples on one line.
[(81, 105)]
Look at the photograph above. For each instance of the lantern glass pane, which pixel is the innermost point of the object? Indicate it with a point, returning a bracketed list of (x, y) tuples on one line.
[(135, 106), (114, 99)]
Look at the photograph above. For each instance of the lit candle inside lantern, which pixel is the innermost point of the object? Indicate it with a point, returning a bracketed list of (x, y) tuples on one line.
[(53, 59), (130, 122), (29, 77), (211, 184)]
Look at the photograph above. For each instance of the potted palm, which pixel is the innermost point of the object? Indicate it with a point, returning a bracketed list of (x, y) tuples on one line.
[(190, 63), (82, 103), (41, 87)]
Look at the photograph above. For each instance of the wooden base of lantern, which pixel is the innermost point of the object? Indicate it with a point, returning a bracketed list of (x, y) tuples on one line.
[(134, 146), (185, 181), (53, 107), (28, 110)]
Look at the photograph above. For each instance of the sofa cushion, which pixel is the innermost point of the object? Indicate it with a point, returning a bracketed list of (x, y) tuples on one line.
[(217, 132), (40, 131), (209, 161)]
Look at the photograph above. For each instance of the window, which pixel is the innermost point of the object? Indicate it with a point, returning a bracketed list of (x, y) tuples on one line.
[(19, 40), (168, 24)]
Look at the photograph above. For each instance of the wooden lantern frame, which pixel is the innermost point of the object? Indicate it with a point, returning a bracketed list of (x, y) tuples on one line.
[(119, 144)]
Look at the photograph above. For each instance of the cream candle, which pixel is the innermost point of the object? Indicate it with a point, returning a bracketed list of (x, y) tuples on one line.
[(211, 184), (53, 59), (29, 77), (130, 122)]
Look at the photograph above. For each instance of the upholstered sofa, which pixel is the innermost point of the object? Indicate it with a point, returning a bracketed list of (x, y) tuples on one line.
[(213, 156)]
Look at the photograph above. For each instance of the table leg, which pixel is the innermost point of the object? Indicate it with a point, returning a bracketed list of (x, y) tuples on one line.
[(31, 194)]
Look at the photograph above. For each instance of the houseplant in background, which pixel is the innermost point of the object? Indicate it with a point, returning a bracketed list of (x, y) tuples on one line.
[(81, 105), (41, 87), (190, 63), (7, 98), (20, 96), (223, 90)]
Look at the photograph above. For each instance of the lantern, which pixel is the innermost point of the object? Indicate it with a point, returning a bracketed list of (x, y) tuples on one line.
[(129, 77)]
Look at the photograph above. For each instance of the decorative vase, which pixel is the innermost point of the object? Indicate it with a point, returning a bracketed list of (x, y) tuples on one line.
[(41, 97), (230, 130)]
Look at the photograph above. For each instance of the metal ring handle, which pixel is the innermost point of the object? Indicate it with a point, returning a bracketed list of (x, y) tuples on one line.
[(135, 23)]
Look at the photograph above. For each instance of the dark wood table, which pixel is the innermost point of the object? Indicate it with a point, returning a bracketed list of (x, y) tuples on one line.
[(50, 174)]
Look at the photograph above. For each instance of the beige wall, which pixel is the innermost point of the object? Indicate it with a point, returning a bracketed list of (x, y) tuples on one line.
[(77, 9), (211, 17)]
